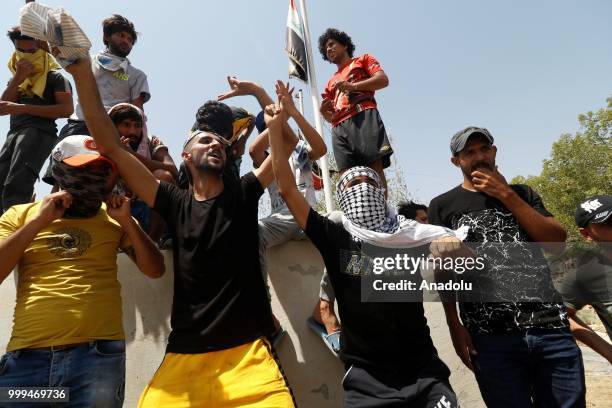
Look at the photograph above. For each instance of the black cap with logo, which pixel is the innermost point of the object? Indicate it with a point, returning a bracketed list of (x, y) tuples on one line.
[(595, 210)]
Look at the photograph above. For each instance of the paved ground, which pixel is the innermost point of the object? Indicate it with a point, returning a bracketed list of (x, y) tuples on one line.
[(598, 371)]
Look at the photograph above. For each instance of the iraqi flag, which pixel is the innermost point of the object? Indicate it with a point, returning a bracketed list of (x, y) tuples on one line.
[(295, 45)]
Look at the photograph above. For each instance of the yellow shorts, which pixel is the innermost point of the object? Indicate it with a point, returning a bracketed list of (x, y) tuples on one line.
[(243, 376)]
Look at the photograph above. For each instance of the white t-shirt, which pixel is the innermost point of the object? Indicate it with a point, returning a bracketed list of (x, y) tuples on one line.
[(301, 165), (121, 85)]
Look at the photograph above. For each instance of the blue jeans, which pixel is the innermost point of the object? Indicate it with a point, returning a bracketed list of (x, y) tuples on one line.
[(534, 368), (94, 373)]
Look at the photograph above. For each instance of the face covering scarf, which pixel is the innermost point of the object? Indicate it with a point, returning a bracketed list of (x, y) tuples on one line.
[(86, 185), (37, 81), (368, 218)]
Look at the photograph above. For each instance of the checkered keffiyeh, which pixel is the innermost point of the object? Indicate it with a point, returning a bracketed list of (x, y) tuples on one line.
[(364, 204), (369, 219)]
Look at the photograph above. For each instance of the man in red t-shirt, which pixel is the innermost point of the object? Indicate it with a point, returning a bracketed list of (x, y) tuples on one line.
[(359, 136)]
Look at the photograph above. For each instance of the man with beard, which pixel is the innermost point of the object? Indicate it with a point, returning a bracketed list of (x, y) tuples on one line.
[(218, 351), (389, 355), (35, 97), (358, 133), (151, 152), (68, 329), (523, 354), (118, 80)]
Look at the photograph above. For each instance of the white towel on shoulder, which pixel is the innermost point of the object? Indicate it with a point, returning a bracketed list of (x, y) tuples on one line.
[(410, 233)]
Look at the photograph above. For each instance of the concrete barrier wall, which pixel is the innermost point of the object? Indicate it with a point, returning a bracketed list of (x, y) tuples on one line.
[(295, 271)]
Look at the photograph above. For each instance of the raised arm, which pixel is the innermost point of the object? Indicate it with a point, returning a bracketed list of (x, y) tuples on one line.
[(23, 69), (143, 251), (13, 247), (242, 88), (138, 178), (276, 119), (316, 144)]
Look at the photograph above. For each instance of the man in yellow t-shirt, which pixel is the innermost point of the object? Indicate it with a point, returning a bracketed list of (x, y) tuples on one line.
[(67, 329)]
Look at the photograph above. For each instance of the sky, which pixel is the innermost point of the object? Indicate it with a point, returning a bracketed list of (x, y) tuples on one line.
[(522, 69)]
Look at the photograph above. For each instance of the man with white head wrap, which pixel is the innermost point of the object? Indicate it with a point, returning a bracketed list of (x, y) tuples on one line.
[(386, 346)]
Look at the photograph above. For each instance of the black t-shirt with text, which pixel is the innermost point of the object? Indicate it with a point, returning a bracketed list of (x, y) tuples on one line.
[(220, 299), (490, 224), (388, 335), (55, 83)]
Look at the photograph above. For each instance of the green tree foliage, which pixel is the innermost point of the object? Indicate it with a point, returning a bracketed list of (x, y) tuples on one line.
[(580, 166)]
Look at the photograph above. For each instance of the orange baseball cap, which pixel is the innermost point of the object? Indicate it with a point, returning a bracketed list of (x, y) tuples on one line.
[(78, 151)]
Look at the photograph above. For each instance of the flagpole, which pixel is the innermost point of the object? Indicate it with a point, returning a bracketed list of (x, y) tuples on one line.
[(300, 98), (314, 94)]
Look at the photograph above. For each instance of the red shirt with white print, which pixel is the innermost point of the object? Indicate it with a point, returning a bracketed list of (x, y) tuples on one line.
[(347, 104)]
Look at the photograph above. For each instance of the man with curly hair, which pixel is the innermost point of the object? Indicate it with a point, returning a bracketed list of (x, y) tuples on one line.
[(359, 136)]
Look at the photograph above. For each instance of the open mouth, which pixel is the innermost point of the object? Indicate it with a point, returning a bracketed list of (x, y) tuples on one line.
[(215, 154)]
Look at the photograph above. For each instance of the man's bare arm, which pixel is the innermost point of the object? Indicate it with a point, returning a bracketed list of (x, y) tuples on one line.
[(585, 334), (314, 139), (296, 202), (377, 81), (161, 160), (138, 178), (539, 227), (13, 247), (143, 252), (139, 102), (63, 107)]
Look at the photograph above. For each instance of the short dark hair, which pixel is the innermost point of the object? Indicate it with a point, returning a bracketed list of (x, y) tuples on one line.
[(117, 24), (409, 209), (14, 34), (123, 112), (215, 117), (336, 35)]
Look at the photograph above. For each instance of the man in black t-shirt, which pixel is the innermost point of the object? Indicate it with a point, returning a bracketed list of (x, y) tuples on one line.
[(35, 97), (218, 351), (523, 354), (389, 355)]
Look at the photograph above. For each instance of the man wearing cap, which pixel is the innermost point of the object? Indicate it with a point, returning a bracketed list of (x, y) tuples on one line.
[(522, 354), (590, 283), (68, 329), (35, 97), (218, 351)]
